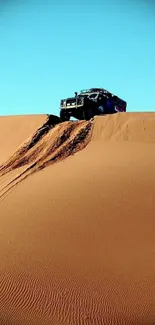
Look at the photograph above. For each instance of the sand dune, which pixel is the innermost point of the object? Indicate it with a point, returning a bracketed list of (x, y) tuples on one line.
[(77, 208)]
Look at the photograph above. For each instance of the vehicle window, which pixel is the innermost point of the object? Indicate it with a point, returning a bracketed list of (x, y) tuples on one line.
[(93, 96)]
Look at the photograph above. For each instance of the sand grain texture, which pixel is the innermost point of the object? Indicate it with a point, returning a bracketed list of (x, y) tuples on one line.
[(77, 241)]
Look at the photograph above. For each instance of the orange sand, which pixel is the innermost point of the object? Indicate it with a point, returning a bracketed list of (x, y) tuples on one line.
[(77, 221)]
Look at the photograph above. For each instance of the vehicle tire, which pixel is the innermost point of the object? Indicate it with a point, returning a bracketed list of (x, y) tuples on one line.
[(88, 114), (64, 116), (101, 109)]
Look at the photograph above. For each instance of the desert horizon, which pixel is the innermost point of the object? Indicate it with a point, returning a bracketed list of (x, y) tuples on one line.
[(77, 207)]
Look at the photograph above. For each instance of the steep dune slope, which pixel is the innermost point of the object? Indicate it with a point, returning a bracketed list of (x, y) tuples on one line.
[(77, 238)]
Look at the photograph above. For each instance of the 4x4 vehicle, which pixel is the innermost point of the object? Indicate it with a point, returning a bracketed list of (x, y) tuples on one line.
[(91, 102)]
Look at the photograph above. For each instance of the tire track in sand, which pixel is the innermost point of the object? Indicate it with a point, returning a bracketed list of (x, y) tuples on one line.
[(53, 145)]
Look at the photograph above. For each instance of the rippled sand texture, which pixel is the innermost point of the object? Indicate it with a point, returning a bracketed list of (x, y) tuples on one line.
[(77, 221)]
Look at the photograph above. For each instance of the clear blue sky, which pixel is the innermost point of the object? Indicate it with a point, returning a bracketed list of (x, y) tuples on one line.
[(51, 48)]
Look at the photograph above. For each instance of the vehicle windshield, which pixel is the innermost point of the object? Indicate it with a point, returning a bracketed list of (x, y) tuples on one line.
[(82, 95)]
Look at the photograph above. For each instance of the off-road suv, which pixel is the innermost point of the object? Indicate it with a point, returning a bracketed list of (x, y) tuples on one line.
[(91, 102)]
